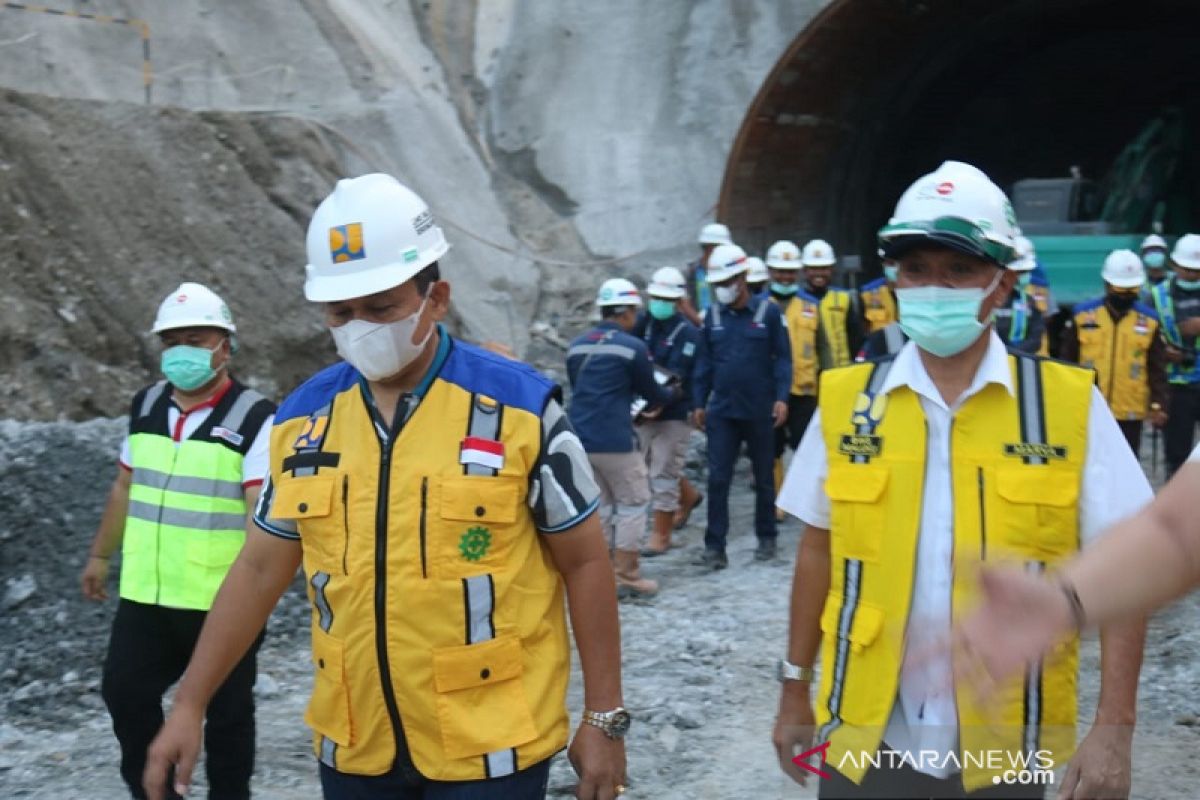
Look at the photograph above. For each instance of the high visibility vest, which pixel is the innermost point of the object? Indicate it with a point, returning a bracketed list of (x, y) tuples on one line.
[(1164, 304), (438, 615), (1019, 328), (1118, 352), (879, 304), (807, 318), (1016, 467), (187, 510)]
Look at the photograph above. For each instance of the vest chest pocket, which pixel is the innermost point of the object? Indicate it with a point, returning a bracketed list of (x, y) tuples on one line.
[(1038, 512), (477, 519), (311, 502), (481, 702), (857, 509)]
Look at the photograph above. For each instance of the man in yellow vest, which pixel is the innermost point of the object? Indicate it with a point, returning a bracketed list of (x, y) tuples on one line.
[(914, 470), (1119, 338), (189, 471), (879, 298), (441, 506)]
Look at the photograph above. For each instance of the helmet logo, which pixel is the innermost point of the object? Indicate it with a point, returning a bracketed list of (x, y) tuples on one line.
[(346, 243), (181, 298), (422, 222), (945, 187)]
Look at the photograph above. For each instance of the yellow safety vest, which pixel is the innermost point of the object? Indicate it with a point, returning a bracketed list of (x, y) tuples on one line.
[(187, 510), (879, 305), (438, 614), (1016, 473), (1118, 352), (807, 317)]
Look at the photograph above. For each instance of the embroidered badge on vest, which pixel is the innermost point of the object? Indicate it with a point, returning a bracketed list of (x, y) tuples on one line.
[(474, 543), (233, 437), (860, 445), (484, 452), (1030, 450), (312, 433)]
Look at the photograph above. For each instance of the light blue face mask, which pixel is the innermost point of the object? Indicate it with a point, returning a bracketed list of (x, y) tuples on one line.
[(1155, 260), (891, 272), (783, 289), (1187, 286), (188, 367), (661, 309), (943, 321)]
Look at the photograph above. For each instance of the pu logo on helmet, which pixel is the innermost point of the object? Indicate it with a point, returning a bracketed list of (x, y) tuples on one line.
[(422, 222), (346, 243), (945, 187)]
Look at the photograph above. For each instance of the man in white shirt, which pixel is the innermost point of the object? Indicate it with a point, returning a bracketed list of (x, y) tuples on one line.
[(1010, 458)]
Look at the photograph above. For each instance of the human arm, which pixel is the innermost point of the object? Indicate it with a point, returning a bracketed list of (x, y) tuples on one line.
[(702, 376), (1156, 374), (856, 324), (1068, 344), (781, 354), (108, 537), (646, 385)]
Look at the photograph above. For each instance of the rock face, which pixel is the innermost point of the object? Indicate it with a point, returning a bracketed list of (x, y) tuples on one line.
[(558, 145)]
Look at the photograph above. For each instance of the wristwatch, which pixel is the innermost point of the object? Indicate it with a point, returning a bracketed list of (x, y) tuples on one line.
[(615, 723), (790, 672)]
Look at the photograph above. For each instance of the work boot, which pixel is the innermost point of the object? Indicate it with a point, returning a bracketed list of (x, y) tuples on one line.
[(689, 498), (660, 536), (765, 550), (780, 514), (713, 560), (630, 583)]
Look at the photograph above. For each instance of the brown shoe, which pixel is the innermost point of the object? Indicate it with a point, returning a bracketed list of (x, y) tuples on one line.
[(630, 583), (660, 536), (689, 498)]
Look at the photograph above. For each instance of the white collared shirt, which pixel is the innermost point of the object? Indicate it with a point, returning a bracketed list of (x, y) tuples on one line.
[(925, 716)]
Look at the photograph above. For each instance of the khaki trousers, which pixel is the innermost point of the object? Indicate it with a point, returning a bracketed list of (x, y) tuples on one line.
[(624, 497), (664, 446)]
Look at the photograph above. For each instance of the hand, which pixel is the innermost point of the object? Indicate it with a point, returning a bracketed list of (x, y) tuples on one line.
[(175, 748), (698, 417), (94, 578), (794, 728), (1190, 327), (1173, 354), (598, 761), (779, 413), (1158, 419), (1101, 767)]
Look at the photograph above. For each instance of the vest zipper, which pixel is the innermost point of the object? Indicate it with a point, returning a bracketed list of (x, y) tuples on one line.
[(982, 517), (381, 527), (345, 523), (424, 506)]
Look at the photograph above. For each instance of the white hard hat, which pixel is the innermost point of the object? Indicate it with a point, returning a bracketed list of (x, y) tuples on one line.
[(1152, 241), (956, 206), (618, 292), (1024, 257), (1123, 269), (1187, 251), (818, 253), (667, 283), (714, 233), (756, 272), (369, 235), (726, 261), (193, 305), (783, 255)]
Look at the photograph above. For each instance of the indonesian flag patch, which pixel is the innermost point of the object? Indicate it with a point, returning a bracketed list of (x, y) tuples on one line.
[(484, 452)]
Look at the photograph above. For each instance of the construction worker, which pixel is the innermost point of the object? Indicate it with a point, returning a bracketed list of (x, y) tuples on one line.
[(1037, 284), (664, 432), (878, 299), (190, 469), (1154, 255), (740, 385), (913, 470), (698, 298), (440, 505), (1019, 322), (1119, 338), (757, 277), (609, 368), (1177, 302)]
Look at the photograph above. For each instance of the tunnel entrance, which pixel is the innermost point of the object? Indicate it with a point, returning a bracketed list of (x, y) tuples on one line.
[(874, 93)]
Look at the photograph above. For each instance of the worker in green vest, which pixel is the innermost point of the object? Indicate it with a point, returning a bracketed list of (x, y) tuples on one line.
[(189, 472)]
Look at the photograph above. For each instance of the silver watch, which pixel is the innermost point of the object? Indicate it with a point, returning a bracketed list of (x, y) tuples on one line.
[(788, 671), (615, 723)]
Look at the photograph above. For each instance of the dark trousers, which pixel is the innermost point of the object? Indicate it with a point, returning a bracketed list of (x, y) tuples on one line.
[(1132, 430), (902, 781), (527, 784), (148, 651), (1180, 433), (800, 412), (725, 438)]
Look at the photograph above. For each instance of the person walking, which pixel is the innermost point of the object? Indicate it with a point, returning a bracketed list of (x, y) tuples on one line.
[(190, 471), (1177, 302), (699, 294), (441, 507)]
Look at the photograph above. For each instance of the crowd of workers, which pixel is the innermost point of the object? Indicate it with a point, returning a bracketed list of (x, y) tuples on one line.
[(444, 502)]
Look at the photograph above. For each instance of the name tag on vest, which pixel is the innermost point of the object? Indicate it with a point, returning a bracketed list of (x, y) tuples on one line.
[(1026, 450), (232, 437), (484, 452), (854, 444)]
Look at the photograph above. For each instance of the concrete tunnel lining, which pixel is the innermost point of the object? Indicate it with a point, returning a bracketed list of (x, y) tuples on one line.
[(873, 93)]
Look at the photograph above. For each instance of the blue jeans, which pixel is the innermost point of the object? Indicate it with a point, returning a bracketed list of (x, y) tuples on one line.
[(527, 784), (725, 438)]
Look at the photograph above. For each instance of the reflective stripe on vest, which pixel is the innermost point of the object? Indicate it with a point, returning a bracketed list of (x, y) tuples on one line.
[(1164, 304), (807, 318), (1019, 329)]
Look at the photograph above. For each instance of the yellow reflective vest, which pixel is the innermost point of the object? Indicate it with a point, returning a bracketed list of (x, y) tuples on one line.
[(1119, 352), (1016, 466), (807, 318), (187, 510), (879, 304), (438, 617)]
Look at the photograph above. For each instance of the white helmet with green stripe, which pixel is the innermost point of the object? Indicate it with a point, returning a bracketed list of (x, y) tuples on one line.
[(956, 206)]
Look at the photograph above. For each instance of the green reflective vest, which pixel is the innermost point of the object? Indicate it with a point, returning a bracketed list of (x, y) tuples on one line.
[(187, 509)]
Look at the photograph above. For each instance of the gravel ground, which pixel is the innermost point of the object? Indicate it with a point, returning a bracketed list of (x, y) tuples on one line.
[(698, 659)]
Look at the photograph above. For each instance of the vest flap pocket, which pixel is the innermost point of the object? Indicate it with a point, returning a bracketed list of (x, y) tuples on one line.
[(1035, 486), (481, 499), (303, 498), (865, 624), (328, 710), (470, 665), (856, 483)]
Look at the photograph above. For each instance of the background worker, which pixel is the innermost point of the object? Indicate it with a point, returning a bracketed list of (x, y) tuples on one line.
[(1020, 323), (441, 506), (1154, 255), (878, 298), (1177, 302), (757, 277), (190, 470), (1118, 337), (664, 433), (743, 366), (609, 368), (699, 295), (915, 468)]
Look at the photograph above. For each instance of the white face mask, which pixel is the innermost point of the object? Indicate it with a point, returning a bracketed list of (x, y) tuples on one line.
[(725, 294), (380, 350)]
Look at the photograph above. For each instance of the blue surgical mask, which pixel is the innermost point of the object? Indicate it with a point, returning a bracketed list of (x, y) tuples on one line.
[(1024, 279), (940, 320), (891, 272), (1187, 286), (783, 289), (1155, 260), (188, 367), (661, 309)]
